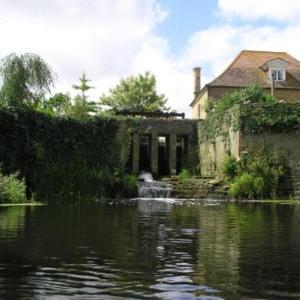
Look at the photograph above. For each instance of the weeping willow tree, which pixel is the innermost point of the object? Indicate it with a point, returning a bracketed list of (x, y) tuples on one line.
[(25, 79)]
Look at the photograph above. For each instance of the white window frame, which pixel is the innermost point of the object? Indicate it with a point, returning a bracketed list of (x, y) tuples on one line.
[(277, 71)]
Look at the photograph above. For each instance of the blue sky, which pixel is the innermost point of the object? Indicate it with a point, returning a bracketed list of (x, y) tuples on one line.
[(184, 19), (110, 40)]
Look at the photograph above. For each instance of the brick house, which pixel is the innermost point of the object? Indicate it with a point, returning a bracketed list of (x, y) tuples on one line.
[(276, 72)]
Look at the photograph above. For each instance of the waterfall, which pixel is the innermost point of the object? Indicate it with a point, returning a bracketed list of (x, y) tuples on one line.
[(149, 188)]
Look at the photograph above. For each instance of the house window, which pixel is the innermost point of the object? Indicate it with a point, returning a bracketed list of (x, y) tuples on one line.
[(277, 74), (199, 111)]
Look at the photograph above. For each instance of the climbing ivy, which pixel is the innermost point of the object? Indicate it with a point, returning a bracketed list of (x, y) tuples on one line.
[(62, 156), (250, 110), (275, 117)]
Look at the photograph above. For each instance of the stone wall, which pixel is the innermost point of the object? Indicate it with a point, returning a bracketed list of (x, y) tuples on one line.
[(192, 188), (285, 145), (198, 108), (212, 153), (196, 188)]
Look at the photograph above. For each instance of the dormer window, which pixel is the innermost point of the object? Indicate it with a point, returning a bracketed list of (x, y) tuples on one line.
[(277, 74), (275, 69)]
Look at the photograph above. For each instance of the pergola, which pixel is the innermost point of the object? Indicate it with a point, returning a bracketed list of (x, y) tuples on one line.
[(154, 114)]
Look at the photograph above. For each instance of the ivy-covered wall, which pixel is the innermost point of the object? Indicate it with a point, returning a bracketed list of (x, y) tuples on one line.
[(65, 158), (60, 156), (250, 128)]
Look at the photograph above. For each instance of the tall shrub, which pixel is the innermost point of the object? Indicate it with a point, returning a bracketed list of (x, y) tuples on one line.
[(12, 189), (254, 175), (61, 156)]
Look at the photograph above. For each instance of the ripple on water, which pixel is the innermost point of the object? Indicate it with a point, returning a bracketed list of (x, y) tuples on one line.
[(162, 250), (177, 289), (185, 296)]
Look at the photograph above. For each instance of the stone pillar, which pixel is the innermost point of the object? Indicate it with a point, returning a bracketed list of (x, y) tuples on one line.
[(154, 153), (172, 154), (136, 153)]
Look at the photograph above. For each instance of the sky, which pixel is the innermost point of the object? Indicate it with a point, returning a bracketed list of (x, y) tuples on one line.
[(113, 39)]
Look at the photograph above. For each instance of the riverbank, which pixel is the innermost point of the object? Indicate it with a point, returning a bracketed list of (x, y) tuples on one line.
[(197, 187), (212, 188)]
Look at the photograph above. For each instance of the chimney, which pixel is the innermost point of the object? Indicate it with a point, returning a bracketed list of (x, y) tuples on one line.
[(197, 81)]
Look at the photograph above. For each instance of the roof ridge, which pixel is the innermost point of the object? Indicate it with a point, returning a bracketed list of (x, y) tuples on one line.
[(264, 51)]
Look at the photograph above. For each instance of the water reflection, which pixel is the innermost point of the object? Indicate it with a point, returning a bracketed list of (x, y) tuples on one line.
[(142, 249), (11, 221), (154, 206)]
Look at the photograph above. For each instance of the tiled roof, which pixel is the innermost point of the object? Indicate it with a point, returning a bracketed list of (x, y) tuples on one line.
[(246, 70)]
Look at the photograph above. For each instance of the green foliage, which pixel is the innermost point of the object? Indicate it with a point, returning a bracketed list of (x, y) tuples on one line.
[(275, 117), (58, 105), (251, 111), (81, 109), (26, 79), (78, 180), (244, 186), (78, 108), (230, 166), (61, 156), (224, 113), (135, 93), (252, 94), (185, 174), (12, 189), (83, 86), (130, 181), (125, 183), (254, 175)]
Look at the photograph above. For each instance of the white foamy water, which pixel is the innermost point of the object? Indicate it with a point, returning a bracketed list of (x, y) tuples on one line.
[(149, 188)]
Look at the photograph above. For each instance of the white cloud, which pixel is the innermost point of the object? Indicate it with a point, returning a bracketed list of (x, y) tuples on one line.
[(287, 10), (107, 40), (114, 39), (173, 78), (214, 48), (96, 36)]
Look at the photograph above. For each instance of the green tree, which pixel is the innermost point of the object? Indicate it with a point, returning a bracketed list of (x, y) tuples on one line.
[(25, 79), (83, 86), (135, 93), (82, 108), (57, 105)]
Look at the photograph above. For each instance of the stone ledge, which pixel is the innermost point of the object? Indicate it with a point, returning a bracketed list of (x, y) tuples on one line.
[(196, 187)]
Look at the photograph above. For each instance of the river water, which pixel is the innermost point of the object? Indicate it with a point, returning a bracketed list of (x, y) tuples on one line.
[(148, 249)]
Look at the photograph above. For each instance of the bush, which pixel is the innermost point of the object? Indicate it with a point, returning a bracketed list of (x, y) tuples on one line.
[(185, 174), (230, 166), (130, 181), (12, 189), (253, 175), (269, 169), (246, 186), (129, 185)]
